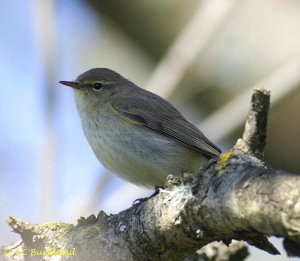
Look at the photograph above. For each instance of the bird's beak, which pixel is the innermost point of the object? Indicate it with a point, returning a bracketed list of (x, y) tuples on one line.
[(74, 85)]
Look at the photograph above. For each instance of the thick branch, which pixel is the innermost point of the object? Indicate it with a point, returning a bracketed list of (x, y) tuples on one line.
[(235, 197)]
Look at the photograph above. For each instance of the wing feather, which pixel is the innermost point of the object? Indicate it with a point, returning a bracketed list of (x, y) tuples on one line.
[(166, 120)]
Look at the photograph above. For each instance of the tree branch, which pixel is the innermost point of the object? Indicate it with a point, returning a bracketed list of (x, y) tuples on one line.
[(256, 125), (234, 197)]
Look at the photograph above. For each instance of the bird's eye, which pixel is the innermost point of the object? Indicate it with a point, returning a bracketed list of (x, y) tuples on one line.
[(97, 86)]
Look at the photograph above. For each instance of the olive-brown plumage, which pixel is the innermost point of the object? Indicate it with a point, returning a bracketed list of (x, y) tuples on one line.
[(135, 133)]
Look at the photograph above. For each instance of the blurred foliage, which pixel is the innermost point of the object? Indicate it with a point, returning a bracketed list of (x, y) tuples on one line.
[(152, 24)]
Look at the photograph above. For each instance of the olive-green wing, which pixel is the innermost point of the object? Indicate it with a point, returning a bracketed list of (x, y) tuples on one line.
[(165, 119)]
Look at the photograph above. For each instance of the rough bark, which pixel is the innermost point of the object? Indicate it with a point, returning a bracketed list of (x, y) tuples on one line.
[(236, 196)]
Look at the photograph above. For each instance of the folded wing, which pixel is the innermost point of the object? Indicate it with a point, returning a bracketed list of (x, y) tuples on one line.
[(165, 119)]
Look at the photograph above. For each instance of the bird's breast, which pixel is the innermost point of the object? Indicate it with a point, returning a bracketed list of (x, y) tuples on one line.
[(134, 152)]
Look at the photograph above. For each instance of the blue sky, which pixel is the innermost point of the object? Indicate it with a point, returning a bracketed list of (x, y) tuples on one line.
[(23, 117)]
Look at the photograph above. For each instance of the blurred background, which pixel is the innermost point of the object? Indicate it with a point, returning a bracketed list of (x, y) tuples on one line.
[(205, 56)]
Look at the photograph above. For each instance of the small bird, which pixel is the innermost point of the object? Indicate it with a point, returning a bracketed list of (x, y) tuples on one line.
[(136, 134)]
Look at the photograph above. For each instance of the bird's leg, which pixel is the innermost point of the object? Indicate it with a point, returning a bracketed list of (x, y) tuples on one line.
[(141, 200)]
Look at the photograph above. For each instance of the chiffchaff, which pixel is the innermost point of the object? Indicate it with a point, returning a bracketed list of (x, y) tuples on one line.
[(134, 133)]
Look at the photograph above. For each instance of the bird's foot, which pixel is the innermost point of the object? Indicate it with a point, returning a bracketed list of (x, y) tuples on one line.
[(141, 200)]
